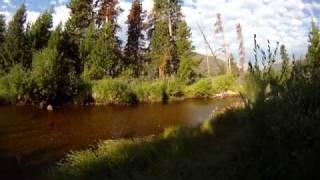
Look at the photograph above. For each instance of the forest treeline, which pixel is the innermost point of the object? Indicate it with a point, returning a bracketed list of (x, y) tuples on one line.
[(41, 63)]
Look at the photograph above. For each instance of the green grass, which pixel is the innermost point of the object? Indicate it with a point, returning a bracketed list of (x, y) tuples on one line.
[(208, 87), (124, 91), (178, 153), (265, 142), (109, 91)]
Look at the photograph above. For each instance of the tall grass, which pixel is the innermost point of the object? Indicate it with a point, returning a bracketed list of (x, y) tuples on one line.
[(124, 91), (208, 87)]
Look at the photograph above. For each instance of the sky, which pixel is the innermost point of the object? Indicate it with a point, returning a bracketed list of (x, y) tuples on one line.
[(284, 21)]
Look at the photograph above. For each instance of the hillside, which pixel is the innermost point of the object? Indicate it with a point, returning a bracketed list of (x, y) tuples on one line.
[(216, 65)]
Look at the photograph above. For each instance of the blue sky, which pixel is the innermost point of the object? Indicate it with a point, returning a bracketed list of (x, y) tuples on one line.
[(286, 21)]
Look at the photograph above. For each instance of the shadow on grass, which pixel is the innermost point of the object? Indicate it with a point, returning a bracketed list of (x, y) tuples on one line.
[(240, 144)]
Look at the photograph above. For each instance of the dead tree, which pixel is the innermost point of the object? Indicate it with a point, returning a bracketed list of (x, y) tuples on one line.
[(241, 47), (219, 30)]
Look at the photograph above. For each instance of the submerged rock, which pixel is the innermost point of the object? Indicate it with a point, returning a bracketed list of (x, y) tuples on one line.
[(50, 107), (42, 104)]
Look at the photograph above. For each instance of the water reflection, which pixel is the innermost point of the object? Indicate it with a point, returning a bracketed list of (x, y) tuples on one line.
[(39, 137)]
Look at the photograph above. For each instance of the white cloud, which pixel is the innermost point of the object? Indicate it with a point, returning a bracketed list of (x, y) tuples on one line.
[(32, 16), (61, 15), (7, 1), (283, 21)]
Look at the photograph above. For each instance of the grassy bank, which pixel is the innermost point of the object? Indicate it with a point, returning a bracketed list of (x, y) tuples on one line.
[(123, 91), (265, 142), (120, 91)]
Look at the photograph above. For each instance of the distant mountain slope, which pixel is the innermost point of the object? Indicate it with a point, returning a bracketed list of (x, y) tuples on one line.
[(216, 66)]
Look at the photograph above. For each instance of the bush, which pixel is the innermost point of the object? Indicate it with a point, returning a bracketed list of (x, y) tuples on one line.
[(113, 91), (148, 91), (202, 88), (15, 86), (223, 83), (208, 87), (186, 72), (56, 82)]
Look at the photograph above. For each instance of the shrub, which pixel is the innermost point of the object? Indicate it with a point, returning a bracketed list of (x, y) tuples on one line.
[(223, 83), (202, 88), (15, 86), (54, 78), (112, 91), (186, 72), (148, 91)]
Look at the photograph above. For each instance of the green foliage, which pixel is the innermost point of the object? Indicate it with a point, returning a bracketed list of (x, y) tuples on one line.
[(39, 33), (208, 87), (134, 46), (81, 17), (313, 54), (109, 91), (160, 47), (15, 86), (277, 137), (184, 44), (286, 69), (186, 72), (2, 28), (16, 47), (150, 91), (259, 80), (104, 59), (88, 42), (2, 38), (53, 75)]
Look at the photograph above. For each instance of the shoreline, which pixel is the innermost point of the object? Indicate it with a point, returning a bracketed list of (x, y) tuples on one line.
[(50, 107)]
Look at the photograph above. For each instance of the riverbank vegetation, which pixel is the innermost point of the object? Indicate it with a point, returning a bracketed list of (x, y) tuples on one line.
[(275, 135), (84, 61)]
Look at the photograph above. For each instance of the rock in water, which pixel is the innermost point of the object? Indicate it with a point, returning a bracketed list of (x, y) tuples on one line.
[(50, 107), (43, 104)]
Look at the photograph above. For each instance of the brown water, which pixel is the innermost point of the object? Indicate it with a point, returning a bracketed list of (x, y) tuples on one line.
[(38, 137)]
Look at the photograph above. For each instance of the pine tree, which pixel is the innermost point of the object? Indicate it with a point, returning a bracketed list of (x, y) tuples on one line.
[(16, 47), (135, 38), (104, 59), (160, 49), (52, 73), (166, 17), (184, 44), (313, 54), (2, 39), (2, 28), (88, 42), (40, 31), (108, 11), (76, 27), (81, 17), (285, 62)]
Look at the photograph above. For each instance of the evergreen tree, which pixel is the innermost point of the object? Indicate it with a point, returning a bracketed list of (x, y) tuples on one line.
[(16, 48), (135, 38), (40, 31), (285, 62), (104, 59), (160, 49), (88, 42), (168, 13), (184, 44), (81, 17), (108, 11), (2, 39), (75, 30), (52, 73), (313, 54), (2, 28)]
